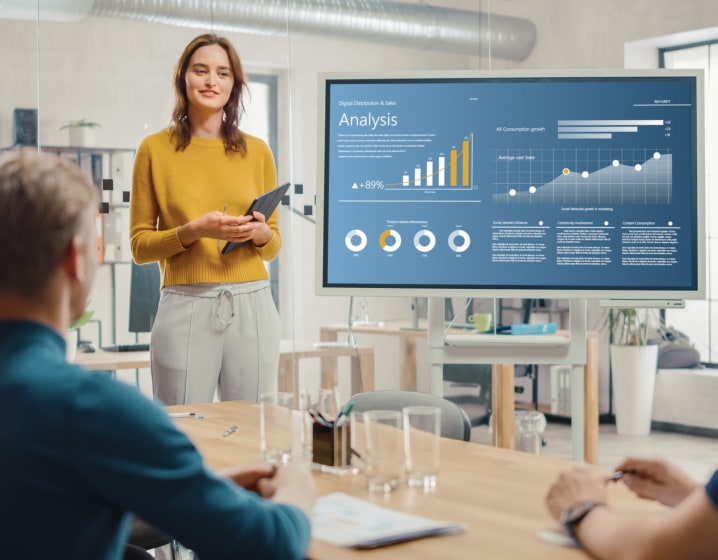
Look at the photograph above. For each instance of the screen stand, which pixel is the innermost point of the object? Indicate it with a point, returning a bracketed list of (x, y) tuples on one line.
[(365, 321), (414, 315), (498, 350)]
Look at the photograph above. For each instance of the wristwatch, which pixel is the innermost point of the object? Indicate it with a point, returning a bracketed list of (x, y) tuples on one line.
[(571, 517)]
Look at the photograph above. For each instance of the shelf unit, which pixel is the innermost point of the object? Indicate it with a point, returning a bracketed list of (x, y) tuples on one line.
[(110, 171)]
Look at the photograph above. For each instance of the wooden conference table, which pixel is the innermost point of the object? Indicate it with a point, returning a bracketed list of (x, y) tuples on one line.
[(497, 493)]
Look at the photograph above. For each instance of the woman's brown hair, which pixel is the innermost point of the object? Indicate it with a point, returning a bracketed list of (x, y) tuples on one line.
[(180, 130)]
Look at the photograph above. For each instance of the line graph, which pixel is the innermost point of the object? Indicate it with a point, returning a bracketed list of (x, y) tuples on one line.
[(583, 176)]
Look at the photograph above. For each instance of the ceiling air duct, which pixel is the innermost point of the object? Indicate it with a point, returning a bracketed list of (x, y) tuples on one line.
[(409, 25)]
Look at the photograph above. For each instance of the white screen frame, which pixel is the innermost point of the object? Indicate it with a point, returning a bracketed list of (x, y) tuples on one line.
[(428, 291)]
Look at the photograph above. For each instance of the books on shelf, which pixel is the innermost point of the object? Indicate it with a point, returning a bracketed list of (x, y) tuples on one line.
[(344, 520)]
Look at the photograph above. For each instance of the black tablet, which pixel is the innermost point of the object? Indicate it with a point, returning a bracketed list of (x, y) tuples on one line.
[(266, 204)]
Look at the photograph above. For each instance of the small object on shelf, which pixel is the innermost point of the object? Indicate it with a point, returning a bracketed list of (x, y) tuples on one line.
[(82, 132), (25, 127), (527, 328)]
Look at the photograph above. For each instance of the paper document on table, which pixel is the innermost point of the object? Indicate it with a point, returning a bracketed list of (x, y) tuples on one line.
[(343, 520)]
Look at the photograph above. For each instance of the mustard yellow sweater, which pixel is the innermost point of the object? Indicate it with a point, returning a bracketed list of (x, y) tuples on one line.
[(170, 188)]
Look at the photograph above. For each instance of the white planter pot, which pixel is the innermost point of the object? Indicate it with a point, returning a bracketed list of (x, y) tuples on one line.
[(82, 136), (634, 376)]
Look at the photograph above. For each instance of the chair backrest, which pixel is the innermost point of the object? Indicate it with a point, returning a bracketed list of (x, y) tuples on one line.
[(455, 422)]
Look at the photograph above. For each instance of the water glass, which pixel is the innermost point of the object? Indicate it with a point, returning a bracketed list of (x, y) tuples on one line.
[(358, 440), (384, 449), (530, 425), (276, 426), (422, 430)]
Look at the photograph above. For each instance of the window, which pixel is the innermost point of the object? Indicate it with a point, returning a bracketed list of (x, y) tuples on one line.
[(261, 120), (699, 320)]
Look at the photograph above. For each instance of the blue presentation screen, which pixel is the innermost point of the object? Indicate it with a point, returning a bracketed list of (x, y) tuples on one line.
[(559, 183)]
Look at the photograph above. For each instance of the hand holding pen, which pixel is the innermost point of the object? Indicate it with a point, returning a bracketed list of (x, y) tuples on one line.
[(655, 479)]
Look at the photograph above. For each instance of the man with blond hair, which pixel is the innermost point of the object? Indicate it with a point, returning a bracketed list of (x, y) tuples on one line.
[(82, 451)]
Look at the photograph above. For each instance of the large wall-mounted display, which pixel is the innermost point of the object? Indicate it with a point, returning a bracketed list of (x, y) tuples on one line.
[(512, 184)]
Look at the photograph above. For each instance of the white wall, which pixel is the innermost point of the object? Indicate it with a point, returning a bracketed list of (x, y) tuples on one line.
[(118, 72)]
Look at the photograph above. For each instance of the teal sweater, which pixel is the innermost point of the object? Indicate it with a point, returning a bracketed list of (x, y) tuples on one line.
[(81, 451)]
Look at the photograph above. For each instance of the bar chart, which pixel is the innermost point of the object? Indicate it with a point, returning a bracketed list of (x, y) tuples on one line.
[(457, 172), (605, 129)]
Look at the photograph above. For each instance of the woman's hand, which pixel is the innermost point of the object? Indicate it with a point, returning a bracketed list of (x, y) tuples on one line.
[(217, 225), (259, 233)]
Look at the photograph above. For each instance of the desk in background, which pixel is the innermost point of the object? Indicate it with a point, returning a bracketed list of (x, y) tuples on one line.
[(362, 363), (112, 361), (502, 378), (498, 494), (361, 359), (405, 335), (101, 360)]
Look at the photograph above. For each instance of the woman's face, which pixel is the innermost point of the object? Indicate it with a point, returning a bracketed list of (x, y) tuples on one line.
[(208, 79)]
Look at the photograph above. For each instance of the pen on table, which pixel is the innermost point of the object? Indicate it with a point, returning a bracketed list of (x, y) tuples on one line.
[(183, 415), (224, 213), (230, 431)]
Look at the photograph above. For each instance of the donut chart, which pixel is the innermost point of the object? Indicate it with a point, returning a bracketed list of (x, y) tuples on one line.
[(428, 245), (464, 242), (390, 240), (349, 240)]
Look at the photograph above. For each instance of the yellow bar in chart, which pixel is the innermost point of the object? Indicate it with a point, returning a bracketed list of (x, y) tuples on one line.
[(452, 168), (465, 163)]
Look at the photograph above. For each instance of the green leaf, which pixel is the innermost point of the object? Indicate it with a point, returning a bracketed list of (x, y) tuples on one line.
[(83, 319), (79, 123)]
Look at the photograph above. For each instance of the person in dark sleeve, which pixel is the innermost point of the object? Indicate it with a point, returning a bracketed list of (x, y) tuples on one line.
[(82, 452)]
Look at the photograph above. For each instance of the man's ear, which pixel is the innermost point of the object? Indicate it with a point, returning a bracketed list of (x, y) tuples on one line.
[(73, 256)]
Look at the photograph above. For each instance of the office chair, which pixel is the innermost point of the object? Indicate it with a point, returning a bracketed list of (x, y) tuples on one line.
[(145, 537), (133, 552), (455, 423), (479, 375)]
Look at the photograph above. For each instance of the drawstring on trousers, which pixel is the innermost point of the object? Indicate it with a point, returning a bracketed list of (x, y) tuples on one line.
[(223, 307)]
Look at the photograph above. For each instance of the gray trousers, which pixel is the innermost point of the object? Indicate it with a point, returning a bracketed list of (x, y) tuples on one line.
[(209, 337)]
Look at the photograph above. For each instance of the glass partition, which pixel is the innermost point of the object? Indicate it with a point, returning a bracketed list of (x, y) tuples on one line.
[(111, 63), (19, 107)]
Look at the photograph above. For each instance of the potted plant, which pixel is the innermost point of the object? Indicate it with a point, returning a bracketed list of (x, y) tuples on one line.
[(82, 132), (73, 333), (633, 368)]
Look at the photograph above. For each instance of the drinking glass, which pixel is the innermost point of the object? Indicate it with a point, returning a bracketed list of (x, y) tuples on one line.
[(422, 430), (276, 426)]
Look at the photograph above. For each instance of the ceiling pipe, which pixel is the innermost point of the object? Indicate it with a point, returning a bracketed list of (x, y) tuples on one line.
[(409, 25)]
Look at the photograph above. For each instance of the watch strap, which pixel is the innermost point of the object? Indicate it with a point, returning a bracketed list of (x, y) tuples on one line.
[(573, 516)]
